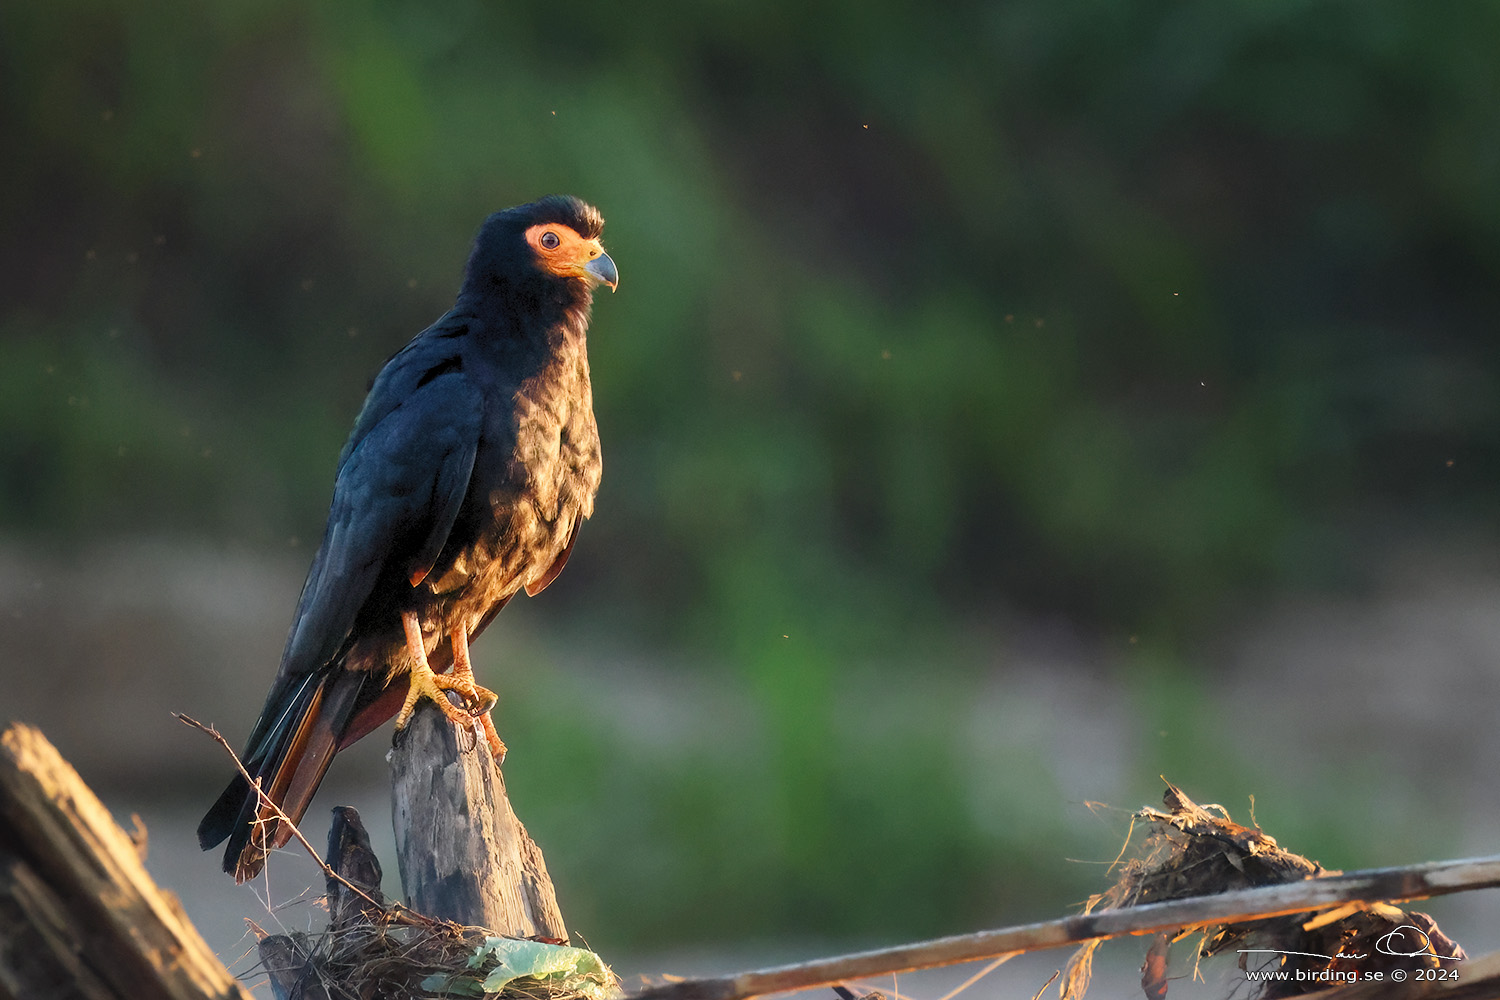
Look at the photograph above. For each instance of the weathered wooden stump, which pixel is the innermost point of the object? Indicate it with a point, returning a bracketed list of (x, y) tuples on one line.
[(463, 854), (464, 857)]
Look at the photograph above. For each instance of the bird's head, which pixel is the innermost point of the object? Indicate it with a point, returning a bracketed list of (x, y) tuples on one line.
[(556, 237)]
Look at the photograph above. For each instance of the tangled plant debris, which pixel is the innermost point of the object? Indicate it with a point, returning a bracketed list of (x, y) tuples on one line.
[(1194, 850), (374, 949), (408, 957)]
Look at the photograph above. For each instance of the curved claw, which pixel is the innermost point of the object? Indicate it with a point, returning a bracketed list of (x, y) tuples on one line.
[(483, 700)]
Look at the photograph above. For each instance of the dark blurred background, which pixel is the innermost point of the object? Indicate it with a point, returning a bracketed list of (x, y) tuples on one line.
[(1002, 407)]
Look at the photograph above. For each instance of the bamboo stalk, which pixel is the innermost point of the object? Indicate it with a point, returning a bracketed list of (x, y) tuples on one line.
[(1419, 881)]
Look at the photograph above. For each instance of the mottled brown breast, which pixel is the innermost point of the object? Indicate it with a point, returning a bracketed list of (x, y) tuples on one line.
[(550, 477)]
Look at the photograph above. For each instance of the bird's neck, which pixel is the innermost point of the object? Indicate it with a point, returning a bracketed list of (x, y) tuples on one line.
[(529, 310)]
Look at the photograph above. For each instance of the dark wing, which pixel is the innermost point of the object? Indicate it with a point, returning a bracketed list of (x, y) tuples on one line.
[(394, 502), (433, 352), (397, 494)]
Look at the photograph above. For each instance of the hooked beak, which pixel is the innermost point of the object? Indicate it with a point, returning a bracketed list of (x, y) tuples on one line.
[(602, 269)]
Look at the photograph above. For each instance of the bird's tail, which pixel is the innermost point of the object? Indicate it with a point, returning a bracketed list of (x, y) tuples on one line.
[(288, 760)]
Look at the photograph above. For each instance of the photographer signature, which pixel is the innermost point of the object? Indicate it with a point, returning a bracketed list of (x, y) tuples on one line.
[(1386, 944)]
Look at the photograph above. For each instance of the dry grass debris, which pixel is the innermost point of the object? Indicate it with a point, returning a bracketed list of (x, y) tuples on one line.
[(1193, 850)]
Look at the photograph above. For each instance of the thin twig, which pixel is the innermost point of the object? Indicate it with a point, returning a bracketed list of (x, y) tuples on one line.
[(1050, 980), (976, 977), (394, 909)]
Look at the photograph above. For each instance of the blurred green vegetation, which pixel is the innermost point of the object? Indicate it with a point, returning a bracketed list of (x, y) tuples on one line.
[(1127, 314)]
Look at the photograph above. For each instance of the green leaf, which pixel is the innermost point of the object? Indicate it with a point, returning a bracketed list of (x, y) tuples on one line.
[(533, 958), (452, 985)]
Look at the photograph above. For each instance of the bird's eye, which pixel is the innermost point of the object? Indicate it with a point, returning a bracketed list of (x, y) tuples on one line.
[(550, 240)]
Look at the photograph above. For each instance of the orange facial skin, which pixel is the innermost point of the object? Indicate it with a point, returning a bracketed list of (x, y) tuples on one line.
[(560, 250)]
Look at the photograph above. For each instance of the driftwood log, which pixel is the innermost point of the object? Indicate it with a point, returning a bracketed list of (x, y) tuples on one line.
[(79, 915)]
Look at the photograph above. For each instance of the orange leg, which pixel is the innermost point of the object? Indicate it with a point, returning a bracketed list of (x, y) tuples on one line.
[(425, 683), (464, 670)]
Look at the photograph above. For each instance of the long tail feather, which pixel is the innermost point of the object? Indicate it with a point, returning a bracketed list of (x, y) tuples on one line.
[(289, 763)]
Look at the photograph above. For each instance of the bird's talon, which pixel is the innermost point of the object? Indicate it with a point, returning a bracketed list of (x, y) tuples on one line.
[(484, 700), (424, 683)]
